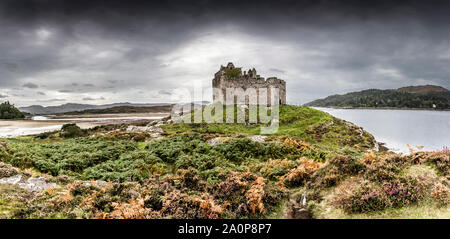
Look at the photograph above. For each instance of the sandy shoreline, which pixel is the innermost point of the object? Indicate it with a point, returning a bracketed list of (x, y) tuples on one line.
[(14, 128)]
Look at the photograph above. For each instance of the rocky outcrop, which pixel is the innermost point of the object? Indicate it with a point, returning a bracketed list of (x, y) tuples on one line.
[(216, 141), (11, 175), (221, 140), (29, 183), (258, 138), (7, 171), (153, 129), (297, 208)]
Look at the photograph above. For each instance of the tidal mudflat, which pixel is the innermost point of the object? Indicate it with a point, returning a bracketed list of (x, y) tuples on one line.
[(40, 124)]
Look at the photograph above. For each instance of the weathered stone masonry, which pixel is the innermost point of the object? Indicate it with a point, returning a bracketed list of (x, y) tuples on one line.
[(232, 77)]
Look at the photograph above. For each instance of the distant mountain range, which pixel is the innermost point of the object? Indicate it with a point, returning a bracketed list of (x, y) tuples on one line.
[(123, 109), (422, 97), (99, 109), (71, 107)]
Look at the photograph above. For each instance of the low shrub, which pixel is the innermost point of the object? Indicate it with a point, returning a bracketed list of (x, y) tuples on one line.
[(44, 135), (365, 197), (301, 174), (275, 168), (170, 149), (402, 191), (335, 170), (441, 159), (255, 195), (70, 157), (384, 168), (441, 194), (370, 196), (71, 131), (239, 149)]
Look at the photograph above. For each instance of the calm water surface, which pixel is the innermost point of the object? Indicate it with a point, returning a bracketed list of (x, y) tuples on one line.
[(397, 128)]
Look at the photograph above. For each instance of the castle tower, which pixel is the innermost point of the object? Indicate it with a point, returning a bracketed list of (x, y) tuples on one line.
[(252, 73), (245, 81)]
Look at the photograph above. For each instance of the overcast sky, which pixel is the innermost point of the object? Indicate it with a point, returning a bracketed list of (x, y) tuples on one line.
[(98, 52)]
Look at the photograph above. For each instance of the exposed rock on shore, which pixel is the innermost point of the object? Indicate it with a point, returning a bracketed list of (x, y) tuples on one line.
[(11, 175)]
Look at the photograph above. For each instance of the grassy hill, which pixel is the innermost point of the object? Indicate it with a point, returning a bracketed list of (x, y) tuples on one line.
[(311, 125), (220, 171), (425, 97)]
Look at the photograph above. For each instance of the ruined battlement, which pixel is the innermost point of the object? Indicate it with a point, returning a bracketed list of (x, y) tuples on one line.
[(230, 76)]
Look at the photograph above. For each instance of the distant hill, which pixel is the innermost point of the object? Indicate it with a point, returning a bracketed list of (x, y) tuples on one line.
[(422, 97), (71, 107), (423, 89), (124, 109)]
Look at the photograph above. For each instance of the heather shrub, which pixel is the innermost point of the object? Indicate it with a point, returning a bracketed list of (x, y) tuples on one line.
[(371, 196), (190, 179), (441, 194), (385, 168), (347, 165), (402, 191), (232, 193), (272, 195), (442, 161), (366, 197), (231, 188), (335, 171), (182, 205)]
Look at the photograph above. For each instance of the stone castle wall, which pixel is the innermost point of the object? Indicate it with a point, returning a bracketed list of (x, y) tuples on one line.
[(232, 77)]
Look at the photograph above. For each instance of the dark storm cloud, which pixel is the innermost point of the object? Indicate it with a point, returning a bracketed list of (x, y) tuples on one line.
[(52, 100), (30, 85), (65, 91), (165, 92), (123, 47), (91, 98)]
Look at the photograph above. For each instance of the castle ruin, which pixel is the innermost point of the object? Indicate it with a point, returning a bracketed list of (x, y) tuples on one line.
[(233, 77)]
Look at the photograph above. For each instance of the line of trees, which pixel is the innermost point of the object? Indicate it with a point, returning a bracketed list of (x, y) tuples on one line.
[(9, 111), (386, 98)]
